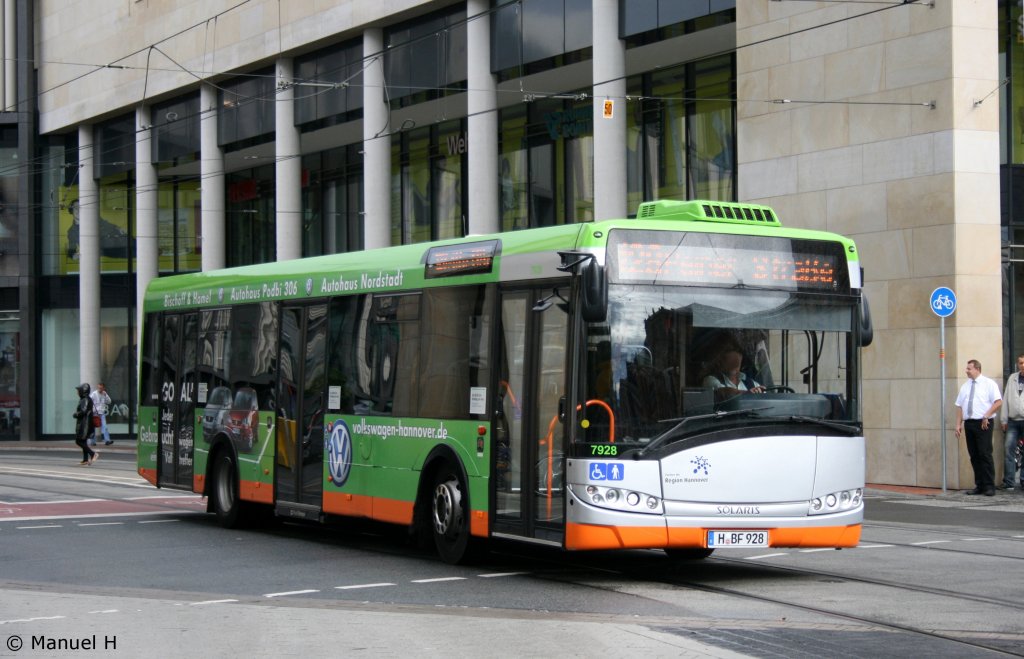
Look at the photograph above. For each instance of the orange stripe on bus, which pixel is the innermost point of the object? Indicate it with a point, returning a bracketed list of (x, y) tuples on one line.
[(817, 536), (255, 491), (479, 524), (343, 503), (392, 510), (589, 536), (148, 474), (586, 536)]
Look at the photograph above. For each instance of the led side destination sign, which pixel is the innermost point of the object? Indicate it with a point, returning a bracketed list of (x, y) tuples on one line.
[(727, 260), (462, 259)]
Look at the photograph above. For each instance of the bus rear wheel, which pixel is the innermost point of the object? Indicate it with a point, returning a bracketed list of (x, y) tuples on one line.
[(226, 504), (449, 518), (688, 553)]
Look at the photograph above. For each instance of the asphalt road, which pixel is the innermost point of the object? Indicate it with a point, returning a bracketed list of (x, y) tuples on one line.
[(94, 556)]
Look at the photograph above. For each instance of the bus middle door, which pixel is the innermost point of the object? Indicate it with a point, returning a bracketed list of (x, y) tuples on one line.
[(299, 407)]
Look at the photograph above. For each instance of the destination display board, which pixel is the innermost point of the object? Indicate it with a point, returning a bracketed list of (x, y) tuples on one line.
[(694, 259)]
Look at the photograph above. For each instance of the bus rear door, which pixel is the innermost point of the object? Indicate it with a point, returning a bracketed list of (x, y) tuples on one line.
[(177, 400)]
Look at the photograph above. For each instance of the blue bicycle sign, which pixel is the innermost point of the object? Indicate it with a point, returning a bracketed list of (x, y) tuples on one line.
[(943, 302)]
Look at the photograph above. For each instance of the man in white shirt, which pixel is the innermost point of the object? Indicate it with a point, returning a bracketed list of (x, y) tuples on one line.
[(101, 405), (976, 405), (1011, 414)]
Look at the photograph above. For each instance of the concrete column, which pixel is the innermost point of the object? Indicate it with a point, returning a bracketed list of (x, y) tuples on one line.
[(376, 145), (211, 168), (88, 261), (147, 253), (10, 55), (609, 134), (482, 139), (288, 168)]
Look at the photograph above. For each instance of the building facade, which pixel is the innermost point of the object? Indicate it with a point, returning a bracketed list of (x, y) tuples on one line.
[(151, 137)]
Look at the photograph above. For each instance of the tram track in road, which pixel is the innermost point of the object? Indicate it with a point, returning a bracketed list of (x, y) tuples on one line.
[(653, 571), (873, 622)]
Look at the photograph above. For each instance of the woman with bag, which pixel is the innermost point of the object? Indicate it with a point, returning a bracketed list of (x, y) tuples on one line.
[(83, 424)]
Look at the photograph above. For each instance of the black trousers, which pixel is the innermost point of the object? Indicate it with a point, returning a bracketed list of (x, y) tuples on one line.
[(86, 451), (979, 447)]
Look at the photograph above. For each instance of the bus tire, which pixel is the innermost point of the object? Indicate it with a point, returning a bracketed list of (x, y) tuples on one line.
[(688, 553), (224, 492), (449, 515)]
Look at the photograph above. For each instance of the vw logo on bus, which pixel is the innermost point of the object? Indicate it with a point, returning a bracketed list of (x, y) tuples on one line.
[(339, 452)]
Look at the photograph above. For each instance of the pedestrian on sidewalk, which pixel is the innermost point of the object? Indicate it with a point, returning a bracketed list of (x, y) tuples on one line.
[(100, 406), (83, 424), (1012, 416), (976, 406)]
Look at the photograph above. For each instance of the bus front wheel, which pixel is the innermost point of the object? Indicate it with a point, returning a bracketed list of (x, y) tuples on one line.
[(449, 517)]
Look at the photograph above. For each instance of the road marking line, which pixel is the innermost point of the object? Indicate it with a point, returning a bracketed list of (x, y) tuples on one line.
[(872, 546), (1019, 536), (106, 611), (101, 524), (211, 602), (811, 551), (501, 574), (975, 539), (438, 579), (35, 518), (754, 558), (930, 542), (291, 592), (363, 585), (9, 622), (43, 526), (158, 521)]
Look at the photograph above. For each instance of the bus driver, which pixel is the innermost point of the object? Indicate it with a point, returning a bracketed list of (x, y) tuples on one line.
[(729, 380)]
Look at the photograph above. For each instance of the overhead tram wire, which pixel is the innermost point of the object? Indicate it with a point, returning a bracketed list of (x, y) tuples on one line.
[(532, 95)]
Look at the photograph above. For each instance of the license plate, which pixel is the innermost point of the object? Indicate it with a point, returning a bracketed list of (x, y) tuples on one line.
[(717, 539)]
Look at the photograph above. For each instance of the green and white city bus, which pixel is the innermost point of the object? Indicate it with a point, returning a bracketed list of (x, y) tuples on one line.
[(577, 386)]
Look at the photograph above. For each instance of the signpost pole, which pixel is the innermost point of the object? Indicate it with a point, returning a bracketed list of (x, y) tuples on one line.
[(942, 303), (942, 396)]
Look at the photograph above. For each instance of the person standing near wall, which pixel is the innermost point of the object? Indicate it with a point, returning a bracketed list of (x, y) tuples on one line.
[(1012, 416), (976, 406), (100, 407)]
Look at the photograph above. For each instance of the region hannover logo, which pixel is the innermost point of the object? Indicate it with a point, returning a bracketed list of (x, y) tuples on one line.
[(339, 452)]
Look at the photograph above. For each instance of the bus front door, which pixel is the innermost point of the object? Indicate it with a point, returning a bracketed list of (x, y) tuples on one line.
[(299, 407), (529, 437), (177, 400)]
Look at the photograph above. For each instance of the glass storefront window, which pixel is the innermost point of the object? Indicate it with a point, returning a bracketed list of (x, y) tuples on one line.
[(512, 169), (249, 217), (712, 131), (59, 357), (427, 195), (179, 226), (425, 58), (10, 172), (10, 363), (332, 201)]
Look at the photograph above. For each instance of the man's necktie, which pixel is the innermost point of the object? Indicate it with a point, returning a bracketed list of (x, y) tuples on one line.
[(970, 401)]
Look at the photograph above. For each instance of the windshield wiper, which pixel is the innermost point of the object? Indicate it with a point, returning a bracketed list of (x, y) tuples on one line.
[(665, 436), (835, 425)]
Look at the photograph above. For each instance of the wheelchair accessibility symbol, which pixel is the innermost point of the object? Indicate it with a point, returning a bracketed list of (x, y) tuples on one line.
[(607, 472)]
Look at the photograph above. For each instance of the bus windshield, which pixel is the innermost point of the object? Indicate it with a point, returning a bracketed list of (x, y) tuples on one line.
[(688, 361)]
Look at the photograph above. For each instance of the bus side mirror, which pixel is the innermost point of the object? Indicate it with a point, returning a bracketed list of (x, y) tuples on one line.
[(593, 293), (867, 331)]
